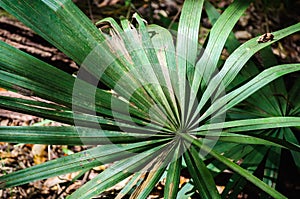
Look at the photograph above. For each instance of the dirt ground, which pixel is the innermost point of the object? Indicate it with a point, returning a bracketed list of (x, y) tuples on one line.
[(257, 20)]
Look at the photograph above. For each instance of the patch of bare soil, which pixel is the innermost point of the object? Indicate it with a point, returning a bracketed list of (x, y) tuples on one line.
[(258, 20)]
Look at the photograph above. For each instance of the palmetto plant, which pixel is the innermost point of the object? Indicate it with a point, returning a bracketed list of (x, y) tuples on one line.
[(172, 107)]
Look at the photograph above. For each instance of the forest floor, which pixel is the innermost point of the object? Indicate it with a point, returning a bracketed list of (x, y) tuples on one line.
[(257, 20)]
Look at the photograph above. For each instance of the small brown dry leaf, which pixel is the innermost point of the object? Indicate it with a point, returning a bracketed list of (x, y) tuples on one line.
[(4, 122), (74, 186), (5, 154), (220, 189), (242, 34), (100, 168), (39, 153), (50, 182), (182, 181)]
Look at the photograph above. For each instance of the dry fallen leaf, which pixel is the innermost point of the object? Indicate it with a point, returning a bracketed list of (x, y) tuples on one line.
[(220, 189), (50, 182), (242, 34), (39, 153)]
